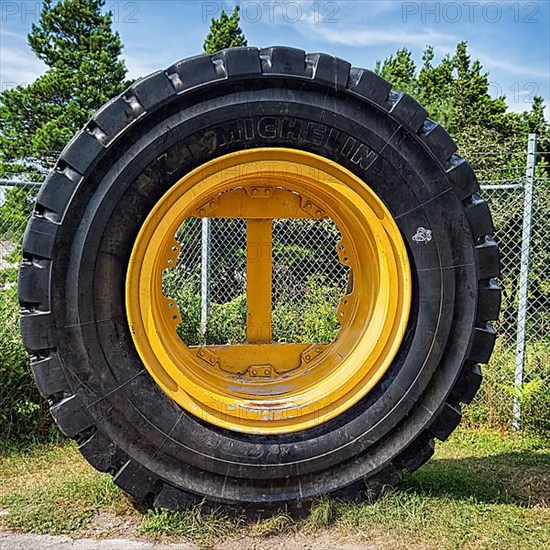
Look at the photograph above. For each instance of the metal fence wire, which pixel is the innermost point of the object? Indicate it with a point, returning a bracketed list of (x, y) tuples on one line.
[(308, 282)]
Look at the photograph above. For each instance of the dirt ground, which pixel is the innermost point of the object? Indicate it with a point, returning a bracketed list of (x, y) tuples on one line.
[(16, 541)]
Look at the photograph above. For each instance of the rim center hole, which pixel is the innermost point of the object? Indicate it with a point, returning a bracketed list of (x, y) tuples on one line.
[(208, 282)]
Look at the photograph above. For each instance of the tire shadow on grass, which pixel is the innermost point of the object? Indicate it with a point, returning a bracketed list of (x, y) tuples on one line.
[(515, 477)]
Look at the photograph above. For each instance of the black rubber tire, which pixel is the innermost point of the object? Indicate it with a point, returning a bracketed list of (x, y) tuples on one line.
[(78, 241)]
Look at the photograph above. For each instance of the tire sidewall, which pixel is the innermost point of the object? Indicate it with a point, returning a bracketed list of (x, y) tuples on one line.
[(114, 200)]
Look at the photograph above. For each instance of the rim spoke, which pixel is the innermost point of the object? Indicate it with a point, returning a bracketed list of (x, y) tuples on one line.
[(258, 281)]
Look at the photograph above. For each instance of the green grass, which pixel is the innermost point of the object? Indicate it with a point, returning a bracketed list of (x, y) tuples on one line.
[(196, 524), (52, 490), (482, 490)]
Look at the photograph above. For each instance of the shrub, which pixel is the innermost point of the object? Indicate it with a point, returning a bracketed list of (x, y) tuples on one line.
[(493, 405), (24, 415)]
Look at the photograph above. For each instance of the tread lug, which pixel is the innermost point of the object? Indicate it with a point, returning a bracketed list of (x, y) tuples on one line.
[(72, 416), (283, 61), (40, 237), (153, 90), (368, 85), (49, 376), (114, 117), (438, 140), (173, 498), (388, 477), (36, 330), (462, 177), (468, 383), (81, 152), (483, 344), (194, 72), (240, 61), (406, 110), (101, 452), (479, 216), (487, 258), (329, 70), (488, 301), (34, 283), (135, 479), (56, 193), (416, 454), (446, 421)]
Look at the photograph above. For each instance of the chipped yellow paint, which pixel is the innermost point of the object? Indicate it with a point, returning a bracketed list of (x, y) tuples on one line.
[(263, 387)]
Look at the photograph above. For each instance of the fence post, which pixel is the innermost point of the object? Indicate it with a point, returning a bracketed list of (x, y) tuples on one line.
[(205, 275), (524, 275)]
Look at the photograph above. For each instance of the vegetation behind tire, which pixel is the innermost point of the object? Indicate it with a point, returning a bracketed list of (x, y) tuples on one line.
[(78, 242), (23, 414), (454, 91)]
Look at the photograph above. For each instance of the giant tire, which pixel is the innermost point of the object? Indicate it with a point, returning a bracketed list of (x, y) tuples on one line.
[(78, 242)]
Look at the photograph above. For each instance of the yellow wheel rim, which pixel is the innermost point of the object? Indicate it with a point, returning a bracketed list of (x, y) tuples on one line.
[(263, 387)]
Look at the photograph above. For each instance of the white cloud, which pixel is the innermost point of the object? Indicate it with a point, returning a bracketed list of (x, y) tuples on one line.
[(11, 34), (137, 67), (509, 66), (346, 31), (19, 65), (364, 36)]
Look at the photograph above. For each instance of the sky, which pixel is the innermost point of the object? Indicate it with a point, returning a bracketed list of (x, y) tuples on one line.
[(510, 38)]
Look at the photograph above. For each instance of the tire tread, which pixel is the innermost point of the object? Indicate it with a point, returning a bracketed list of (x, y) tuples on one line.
[(152, 93)]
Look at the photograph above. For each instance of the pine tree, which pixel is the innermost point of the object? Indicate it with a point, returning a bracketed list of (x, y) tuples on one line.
[(470, 94), (400, 70), (456, 93), (434, 87), (225, 32), (75, 40)]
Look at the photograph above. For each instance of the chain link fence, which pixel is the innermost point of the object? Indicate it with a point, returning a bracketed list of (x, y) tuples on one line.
[(309, 281), (21, 409), (516, 386)]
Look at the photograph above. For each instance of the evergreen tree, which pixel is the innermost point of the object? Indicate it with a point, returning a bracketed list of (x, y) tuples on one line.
[(537, 124), (434, 87), (456, 93), (400, 70), (470, 94), (75, 40), (225, 32)]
